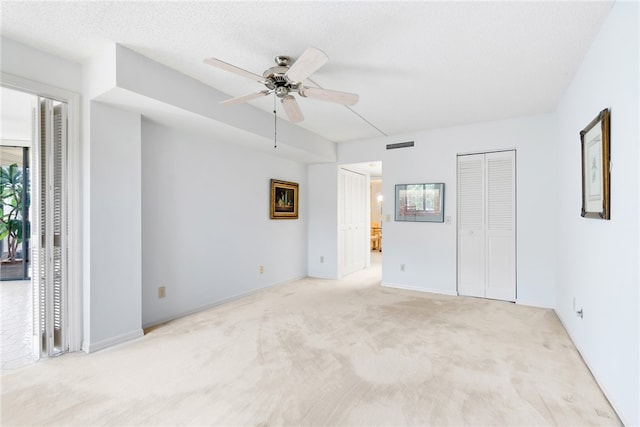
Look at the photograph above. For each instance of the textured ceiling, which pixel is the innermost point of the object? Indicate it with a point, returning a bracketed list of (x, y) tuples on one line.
[(415, 65)]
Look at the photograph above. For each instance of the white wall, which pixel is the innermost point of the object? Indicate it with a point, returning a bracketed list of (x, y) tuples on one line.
[(113, 274), (597, 259), (112, 230), (323, 221), (206, 227), (15, 117), (428, 250), (376, 189), (21, 60)]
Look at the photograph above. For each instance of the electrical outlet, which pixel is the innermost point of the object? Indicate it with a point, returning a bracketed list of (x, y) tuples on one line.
[(162, 292), (401, 267), (261, 268), (321, 259), (387, 218), (447, 220)]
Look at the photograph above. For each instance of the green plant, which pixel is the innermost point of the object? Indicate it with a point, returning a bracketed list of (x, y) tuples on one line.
[(11, 207)]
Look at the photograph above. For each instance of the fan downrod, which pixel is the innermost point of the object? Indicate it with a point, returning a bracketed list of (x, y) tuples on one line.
[(283, 60)]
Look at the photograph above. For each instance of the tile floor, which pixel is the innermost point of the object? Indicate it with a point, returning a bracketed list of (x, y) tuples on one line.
[(15, 323)]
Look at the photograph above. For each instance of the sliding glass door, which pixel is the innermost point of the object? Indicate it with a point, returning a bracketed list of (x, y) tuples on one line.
[(14, 212)]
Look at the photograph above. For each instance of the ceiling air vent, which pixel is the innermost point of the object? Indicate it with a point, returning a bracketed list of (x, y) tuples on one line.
[(399, 145)]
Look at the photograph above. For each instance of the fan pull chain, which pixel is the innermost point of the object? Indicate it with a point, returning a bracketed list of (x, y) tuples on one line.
[(275, 123)]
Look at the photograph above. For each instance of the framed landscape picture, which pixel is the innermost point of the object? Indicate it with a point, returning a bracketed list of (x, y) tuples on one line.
[(420, 202), (284, 200), (594, 140)]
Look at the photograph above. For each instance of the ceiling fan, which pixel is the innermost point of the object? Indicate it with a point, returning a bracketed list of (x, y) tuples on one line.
[(284, 79)]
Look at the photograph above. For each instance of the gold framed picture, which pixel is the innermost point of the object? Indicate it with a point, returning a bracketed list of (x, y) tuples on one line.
[(284, 200), (594, 140)]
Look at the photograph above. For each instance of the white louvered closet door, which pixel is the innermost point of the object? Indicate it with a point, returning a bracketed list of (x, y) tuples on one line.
[(501, 226), (471, 230), (486, 225), (49, 227)]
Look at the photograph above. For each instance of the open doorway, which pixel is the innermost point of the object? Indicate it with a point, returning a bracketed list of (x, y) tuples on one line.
[(33, 228), (16, 298), (375, 202), (367, 238)]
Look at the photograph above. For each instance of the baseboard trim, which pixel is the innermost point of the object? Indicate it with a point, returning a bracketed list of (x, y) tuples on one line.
[(110, 342), (216, 303), (532, 304), (586, 362), (416, 288)]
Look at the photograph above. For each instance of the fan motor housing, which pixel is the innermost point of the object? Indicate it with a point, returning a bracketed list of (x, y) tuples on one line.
[(275, 78)]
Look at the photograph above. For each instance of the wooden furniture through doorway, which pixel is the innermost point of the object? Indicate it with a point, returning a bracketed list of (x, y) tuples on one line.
[(376, 237)]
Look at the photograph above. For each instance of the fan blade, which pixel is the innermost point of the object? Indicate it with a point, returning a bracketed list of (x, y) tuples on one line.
[(292, 109), (228, 67), (309, 61), (244, 98), (344, 98)]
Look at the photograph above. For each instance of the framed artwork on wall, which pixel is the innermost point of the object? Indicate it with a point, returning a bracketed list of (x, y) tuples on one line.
[(420, 202), (284, 200), (594, 140)]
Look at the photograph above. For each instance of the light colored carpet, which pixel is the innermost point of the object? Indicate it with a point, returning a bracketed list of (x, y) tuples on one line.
[(320, 352)]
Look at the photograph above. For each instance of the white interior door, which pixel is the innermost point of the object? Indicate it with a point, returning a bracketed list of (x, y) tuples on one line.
[(352, 221), (486, 225), (471, 230)]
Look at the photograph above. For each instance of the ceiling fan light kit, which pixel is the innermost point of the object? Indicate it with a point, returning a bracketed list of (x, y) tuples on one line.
[(284, 79)]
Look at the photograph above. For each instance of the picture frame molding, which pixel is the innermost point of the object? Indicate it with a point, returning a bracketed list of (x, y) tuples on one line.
[(596, 167), (291, 191), (420, 215)]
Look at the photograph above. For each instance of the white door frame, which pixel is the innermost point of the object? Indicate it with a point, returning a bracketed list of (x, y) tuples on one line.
[(72, 100)]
